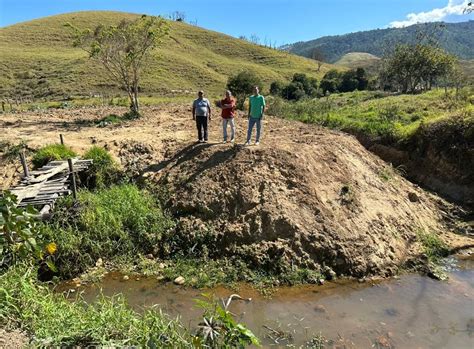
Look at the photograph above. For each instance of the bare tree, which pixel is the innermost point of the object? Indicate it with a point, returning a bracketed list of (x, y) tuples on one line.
[(319, 56), (254, 39), (178, 16), (122, 50)]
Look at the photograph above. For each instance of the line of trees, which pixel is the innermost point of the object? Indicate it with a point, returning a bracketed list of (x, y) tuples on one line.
[(418, 67), (302, 86)]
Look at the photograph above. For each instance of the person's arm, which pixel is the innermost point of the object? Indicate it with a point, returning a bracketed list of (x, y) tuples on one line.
[(194, 111), (229, 106), (209, 109), (263, 106), (250, 108)]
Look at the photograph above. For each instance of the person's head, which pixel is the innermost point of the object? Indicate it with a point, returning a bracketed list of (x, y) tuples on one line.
[(228, 94), (256, 90), (201, 94)]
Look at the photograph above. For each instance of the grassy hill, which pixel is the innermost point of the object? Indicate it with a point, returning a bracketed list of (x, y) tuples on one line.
[(456, 38), (364, 60), (37, 57)]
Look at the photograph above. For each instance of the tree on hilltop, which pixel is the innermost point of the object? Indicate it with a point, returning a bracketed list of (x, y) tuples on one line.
[(122, 50)]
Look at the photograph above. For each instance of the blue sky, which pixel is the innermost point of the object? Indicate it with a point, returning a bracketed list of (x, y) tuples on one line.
[(280, 21)]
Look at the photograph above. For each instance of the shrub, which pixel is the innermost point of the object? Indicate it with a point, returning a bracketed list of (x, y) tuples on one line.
[(242, 85), (103, 171), (22, 236), (52, 152)]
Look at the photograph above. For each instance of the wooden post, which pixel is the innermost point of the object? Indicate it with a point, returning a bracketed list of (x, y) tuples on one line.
[(61, 138), (72, 178), (23, 163)]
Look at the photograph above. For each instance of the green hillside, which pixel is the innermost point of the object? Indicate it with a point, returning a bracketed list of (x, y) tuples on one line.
[(456, 38), (355, 60), (37, 59)]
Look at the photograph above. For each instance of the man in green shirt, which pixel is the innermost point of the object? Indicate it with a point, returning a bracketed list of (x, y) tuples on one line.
[(256, 110)]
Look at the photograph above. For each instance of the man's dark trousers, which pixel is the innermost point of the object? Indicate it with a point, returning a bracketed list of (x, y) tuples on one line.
[(201, 123)]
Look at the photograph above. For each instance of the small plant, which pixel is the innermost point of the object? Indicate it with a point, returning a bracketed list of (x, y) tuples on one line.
[(219, 329), (22, 237), (433, 246), (52, 152)]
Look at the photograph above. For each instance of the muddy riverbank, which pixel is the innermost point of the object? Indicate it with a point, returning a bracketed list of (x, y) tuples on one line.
[(411, 311)]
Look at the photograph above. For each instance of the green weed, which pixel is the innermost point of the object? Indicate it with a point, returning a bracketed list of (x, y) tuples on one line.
[(433, 246), (52, 152)]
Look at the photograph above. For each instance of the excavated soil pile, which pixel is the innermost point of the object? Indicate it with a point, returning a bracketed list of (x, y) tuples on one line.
[(306, 196)]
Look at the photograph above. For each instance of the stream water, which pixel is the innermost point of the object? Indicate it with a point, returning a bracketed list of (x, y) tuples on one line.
[(412, 311)]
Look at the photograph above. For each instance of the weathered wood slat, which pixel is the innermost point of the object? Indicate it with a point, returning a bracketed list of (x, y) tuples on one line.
[(44, 186)]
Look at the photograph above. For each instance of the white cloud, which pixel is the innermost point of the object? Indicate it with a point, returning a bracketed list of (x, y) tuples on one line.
[(454, 7)]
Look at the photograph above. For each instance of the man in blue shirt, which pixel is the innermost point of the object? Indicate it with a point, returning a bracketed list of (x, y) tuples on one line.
[(256, 110), (201, 113)]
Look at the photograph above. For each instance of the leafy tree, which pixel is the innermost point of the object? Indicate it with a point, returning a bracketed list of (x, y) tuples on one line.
[(416, 67), (310, 85), (331, 81), (123, 49), (276, 88), (294, 91), (242, 85)]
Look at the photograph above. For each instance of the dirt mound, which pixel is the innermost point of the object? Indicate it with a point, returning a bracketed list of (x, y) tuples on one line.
[(306, 196)]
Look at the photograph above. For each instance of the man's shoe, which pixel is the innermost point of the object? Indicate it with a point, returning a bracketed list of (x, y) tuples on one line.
[(247, 143), (232, 140), (224, 141), (257, 143)]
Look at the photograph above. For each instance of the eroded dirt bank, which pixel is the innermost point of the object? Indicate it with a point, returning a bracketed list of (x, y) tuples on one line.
[(306, 196)]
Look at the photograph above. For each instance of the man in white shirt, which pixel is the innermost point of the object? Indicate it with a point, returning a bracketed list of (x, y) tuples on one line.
[(201, 113)]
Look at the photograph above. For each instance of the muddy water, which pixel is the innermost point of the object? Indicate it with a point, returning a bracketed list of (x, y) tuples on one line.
[(409, 312)]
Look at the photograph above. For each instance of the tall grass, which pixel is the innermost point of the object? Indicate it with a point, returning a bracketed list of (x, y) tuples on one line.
[(53, 320), (118, 221), (374, 114), (52, 152)]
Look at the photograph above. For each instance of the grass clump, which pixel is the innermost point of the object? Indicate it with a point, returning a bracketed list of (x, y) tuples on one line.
[(103, 171), (53, 320), (52, 152), (118, 221), (433, 246)]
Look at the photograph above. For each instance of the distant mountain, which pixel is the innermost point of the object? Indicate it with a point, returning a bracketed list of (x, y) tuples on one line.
[(456, 38)]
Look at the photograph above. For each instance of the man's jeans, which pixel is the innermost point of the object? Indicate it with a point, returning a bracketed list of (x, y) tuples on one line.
[(230, 122), (201, 124), (253, 122)]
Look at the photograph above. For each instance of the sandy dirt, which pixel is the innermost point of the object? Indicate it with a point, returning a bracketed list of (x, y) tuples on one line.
[(13, 339), (306, 196)]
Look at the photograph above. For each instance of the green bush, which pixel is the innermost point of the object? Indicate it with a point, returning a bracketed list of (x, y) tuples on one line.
[(22, 238), (103, 171), (242, 85), (118, 221), (52, 152)]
